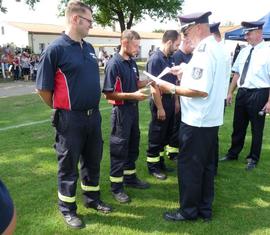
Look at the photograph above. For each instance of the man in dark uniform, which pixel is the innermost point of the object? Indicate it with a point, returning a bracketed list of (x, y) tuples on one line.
[(251, 75), (182, 55), (202, 103), (163, 106), (7, 212), (68, 81), (121, 89)]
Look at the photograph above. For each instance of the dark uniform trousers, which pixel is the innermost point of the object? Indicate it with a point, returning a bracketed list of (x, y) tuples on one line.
[(247, 105), (78, 138), (173, 142), (124, 144), (196, 170), (160, 131)]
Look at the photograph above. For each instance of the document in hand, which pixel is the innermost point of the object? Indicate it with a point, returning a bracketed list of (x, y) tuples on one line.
[(157, 79)]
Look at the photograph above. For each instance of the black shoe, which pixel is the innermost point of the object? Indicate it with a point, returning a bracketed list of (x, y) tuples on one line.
[(159, 175), (73, 221), (227, 158), (99, 206), (174, 216), (137, 183), (251, 165), (121, 197)]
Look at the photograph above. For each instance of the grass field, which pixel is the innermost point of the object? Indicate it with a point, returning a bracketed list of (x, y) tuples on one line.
[(28, 166)]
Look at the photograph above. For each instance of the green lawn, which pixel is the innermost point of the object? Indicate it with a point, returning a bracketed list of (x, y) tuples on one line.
[(28, 166)]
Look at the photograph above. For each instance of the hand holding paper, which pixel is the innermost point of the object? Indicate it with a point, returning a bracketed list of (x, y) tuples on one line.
[(166, 87), (178, 69)]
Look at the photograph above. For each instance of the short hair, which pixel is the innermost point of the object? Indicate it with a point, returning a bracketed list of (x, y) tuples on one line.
[(217, 33), (172, 35), (76, 6), (130, 35)]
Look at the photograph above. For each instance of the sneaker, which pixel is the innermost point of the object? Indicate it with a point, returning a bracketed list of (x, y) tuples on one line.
[(121, 197), (99, 206), (73, 221), (159, 175)]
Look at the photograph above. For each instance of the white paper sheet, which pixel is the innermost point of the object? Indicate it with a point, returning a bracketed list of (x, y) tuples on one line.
[(164, 72), (155, 79)]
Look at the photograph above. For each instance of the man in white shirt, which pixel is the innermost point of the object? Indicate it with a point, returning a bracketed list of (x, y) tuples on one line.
[(252, 76), (202, 105)]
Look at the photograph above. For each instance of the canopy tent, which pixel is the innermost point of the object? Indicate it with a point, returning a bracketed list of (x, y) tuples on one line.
[(237, 34)]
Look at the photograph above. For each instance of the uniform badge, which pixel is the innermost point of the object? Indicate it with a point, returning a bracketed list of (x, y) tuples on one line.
[(202, 48), (134, 69), (197, 73), (93, 55)]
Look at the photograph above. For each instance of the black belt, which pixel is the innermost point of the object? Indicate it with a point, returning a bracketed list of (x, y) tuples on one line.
[(252, 89), (87, 112)]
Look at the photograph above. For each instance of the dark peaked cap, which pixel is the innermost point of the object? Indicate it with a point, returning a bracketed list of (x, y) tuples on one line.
[(192, 19), (214, 27), (249, 26)]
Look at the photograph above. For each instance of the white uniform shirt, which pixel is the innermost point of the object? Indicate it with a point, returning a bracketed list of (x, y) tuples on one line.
[(205, 72), (258, 74)]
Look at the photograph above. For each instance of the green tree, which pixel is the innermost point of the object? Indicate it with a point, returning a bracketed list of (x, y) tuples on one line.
[(127, 12), (31, 4)]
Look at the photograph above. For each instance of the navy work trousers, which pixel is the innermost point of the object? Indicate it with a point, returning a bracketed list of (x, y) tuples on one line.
[(124, 143), (160, 131), (78, 139)]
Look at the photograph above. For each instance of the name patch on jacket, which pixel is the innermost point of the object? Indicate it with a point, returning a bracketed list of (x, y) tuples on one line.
[(197, 73)]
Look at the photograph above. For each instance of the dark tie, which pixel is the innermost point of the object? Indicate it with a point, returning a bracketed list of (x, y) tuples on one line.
[(245, 69)]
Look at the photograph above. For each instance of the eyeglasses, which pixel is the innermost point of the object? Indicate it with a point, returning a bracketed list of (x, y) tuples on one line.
[(88, 20)]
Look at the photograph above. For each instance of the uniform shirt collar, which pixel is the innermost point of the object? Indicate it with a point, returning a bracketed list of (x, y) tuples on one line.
[(69, 40), (122, 59), (160, 53), (202, 44), (259, 45)]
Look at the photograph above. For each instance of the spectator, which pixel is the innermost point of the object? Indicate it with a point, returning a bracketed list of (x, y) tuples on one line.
[(25, 63)]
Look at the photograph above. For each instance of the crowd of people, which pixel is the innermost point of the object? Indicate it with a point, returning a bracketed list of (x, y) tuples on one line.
[(187, 109), (18, 64)]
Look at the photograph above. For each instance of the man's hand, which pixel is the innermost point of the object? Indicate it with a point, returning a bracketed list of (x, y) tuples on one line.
[(266, 107), (138, 95), (176, 70), (229, 99), (161, 115)]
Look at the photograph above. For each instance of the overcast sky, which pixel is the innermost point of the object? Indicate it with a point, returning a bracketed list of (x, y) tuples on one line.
[(223, 10)]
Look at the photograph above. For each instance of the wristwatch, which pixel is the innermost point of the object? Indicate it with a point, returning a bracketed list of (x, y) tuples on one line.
[(172, 90)]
